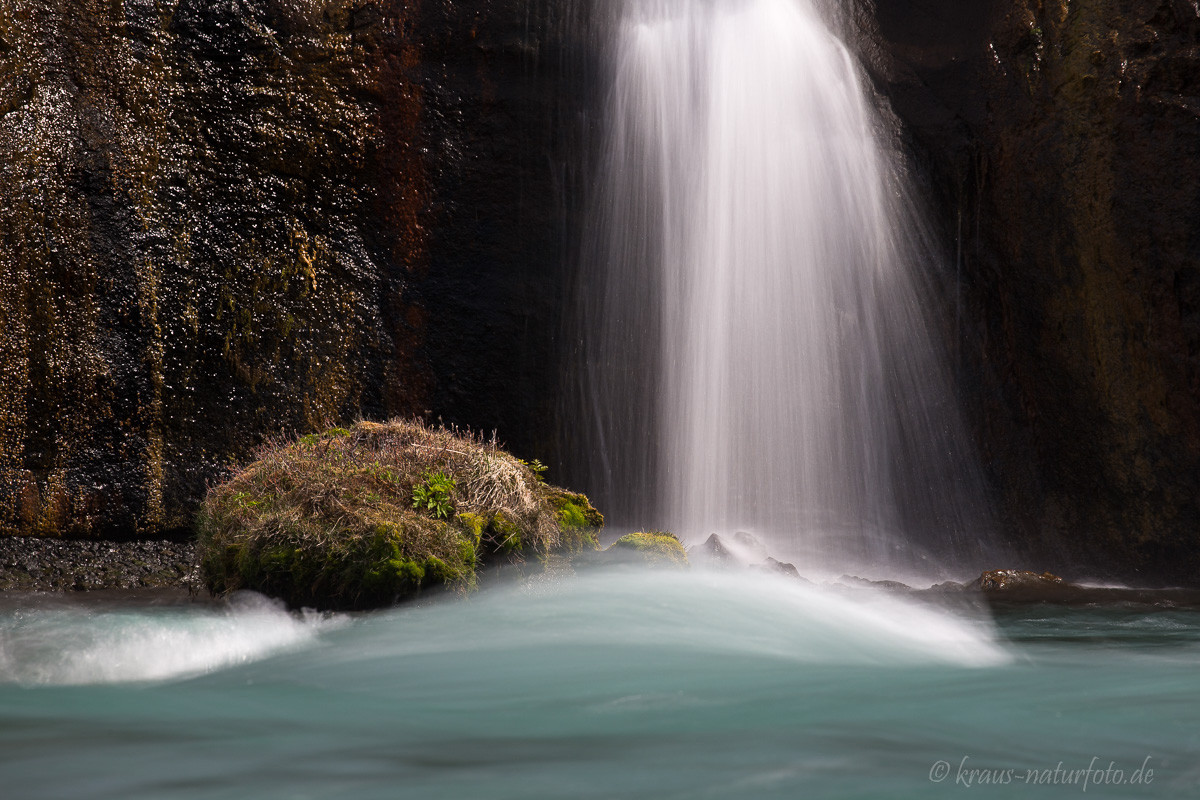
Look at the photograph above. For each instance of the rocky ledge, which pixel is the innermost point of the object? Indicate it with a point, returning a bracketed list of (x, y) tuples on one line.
[(1005, 587), (57, 565)]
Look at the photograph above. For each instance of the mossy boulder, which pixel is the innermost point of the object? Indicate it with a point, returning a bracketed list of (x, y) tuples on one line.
[(367, 516), (654, 548)]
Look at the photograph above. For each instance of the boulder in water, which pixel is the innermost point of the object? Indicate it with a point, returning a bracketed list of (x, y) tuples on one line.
[(1013, 584), (364, 517), (714, 551), (745, 551), (741, 550), (1003, 580), (656, 548)]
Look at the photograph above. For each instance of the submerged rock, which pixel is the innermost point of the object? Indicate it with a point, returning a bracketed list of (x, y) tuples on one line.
[(367, 516), (948, 587), (779, 567), (890, 586)]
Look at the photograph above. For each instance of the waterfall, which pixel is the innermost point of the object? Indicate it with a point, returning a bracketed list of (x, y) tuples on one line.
[(757, 355)]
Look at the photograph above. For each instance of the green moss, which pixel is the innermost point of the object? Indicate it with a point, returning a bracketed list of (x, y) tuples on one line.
[(571, 516), (575, 541), (468, 553), (473, 524), (579, 531), (651, 547), (357, 571), (577, 519), (440, 571), (574, 510), (505, 532)]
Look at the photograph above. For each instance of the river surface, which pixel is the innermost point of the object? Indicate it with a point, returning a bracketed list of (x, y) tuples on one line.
[(612, 684)]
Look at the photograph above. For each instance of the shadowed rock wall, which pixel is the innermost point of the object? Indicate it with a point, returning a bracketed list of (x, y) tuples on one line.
[(225, 219), (1061, 143)]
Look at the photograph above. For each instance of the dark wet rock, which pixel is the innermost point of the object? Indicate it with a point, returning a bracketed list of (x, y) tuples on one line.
[(1015, 581), (1003, 588), (53, 565), (242, 218), (1060, 147), (1011, 585)]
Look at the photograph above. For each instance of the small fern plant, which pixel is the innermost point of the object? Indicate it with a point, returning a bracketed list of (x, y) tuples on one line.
[(537, 468), (433, 494)]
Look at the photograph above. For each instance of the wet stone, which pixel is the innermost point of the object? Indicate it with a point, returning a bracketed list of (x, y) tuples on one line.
[(33, 564)]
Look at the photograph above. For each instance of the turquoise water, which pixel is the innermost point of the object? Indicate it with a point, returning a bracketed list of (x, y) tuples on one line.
[(607, 685)]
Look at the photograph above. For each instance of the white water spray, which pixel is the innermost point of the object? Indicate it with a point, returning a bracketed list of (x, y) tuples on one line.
[(58, 643), (757, 353)]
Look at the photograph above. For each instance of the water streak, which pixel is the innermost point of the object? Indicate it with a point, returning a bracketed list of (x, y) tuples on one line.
[(757, 353)]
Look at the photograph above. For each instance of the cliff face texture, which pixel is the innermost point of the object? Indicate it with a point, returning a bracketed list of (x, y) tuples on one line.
[(1061, 141), (225, 219)]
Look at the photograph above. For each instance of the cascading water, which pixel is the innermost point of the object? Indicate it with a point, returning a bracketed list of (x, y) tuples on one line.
[(757, 356)]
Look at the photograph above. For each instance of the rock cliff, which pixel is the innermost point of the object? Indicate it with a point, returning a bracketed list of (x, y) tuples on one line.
[(1060, 143), (226, 219)]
